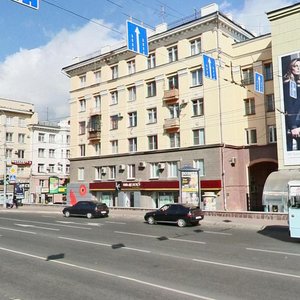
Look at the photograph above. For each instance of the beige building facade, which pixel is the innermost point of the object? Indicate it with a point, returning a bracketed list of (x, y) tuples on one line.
[(138, 123)]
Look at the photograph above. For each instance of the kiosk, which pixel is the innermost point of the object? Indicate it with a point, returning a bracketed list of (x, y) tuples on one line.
[(294, 208)]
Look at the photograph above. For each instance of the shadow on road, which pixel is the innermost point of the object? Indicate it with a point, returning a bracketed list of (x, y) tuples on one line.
[(278, 232), (55, 256)]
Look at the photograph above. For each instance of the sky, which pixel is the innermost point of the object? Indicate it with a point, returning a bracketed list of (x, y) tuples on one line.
[(36, 44)]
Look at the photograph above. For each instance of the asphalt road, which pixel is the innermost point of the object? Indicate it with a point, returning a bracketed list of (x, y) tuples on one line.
[(47, 256)]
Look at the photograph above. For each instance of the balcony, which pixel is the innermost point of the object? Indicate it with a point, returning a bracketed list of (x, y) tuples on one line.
[(171, 96), (94, 136), (172, 125)]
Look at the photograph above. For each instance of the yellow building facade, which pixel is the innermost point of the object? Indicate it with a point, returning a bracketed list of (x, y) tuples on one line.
[(138, 123)]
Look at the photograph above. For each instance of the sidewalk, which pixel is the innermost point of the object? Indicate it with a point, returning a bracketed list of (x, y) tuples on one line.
[(230, 219)]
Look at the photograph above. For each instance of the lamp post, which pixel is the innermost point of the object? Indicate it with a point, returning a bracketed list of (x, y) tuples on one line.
[(4, 182)]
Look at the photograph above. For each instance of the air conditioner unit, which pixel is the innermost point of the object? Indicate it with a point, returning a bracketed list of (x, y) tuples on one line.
[(103, 170), (121, 167), (161, 166), (232, 160), (142, 164)]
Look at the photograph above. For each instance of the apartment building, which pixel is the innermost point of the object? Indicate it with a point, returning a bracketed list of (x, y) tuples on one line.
[(50, 160), (137, 123), (15, 146)]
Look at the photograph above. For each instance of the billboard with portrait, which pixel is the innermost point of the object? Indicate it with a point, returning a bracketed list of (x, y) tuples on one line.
[(289, 79)]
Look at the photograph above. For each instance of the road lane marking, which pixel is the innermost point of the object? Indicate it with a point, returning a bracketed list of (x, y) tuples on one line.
[(246, 268), (112, 222), (114, 275), (157, 237), (18, 230), (272, 251), (103, 244), (216, 232), (39, 227)]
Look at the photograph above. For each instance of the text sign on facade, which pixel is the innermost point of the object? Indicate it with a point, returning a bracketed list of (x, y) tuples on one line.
[(209, 65), (137, 40), (30, 3), (259, 83)]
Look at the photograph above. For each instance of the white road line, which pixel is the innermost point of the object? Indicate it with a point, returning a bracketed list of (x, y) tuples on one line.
[(103, 244), (39, 227), (216, 232), (157, 237), (112, 222), (246, 268), (18, 230), (145, 283), (272, 251)]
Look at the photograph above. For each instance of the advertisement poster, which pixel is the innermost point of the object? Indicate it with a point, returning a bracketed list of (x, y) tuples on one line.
[(289, 79), (190, 187), (53, 185)]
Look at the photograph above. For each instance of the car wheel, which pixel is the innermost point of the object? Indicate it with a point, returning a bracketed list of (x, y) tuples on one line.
[(181, 223), (151, 220), (89, 215), (67, 214)]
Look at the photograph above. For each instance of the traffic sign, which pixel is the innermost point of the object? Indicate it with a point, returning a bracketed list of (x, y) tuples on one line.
[(209, 65), (30, 3), (259, 82), (137, 40), (12, 178)]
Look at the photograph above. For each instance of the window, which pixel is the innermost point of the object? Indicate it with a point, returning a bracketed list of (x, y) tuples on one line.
[(68, 139), (22, 122), (152, 115), (198, 107), (51, 168), (249, 106), (251, 136), (42, 182), (132, 93), (9, 120), (248, 77), (132, 142), (198, 136), (195, 46), (112, 172), (197, 77), (114, 72), (21, 153), (97, 148), (97, 101), (51, 153), (114, 146), (172, 53), (151, 62), (68, 154), (199, 164), (41, 153), (268, 71), (41, 168), (82, 81), (8, 153), (51, 138), (151, 89), (270, 103), (114, 97), (95, 123), (272, 134), (21, 138), (173, 82), (41, 137), (9, 137), (132, 117), (172, 169), (152, 142), (68, 169), (82, 149), (82, 127), (98, 173), (80, 173), (131, 66), (131, 171), (174, 140), (154, 170), (114, 120), (82, 105), (97, 76), (174, 111)]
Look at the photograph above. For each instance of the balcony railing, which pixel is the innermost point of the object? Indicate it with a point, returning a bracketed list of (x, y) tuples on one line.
[(171, 124), (94, 135), (171, 95), (95, 111)]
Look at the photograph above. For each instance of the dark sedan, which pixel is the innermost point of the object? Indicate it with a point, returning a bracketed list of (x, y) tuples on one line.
[(180, 214), (87, 209)]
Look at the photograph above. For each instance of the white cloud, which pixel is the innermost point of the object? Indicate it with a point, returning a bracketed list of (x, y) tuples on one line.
[(253, 13), (35, 75)]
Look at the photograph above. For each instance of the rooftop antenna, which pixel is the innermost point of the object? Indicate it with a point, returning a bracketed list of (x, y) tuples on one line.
[(162, 13)]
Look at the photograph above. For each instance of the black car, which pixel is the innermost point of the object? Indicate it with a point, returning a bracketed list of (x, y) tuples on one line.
[(180, 214), (89, 209)]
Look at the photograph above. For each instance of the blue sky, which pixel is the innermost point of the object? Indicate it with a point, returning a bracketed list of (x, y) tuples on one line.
[(37, 44)]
